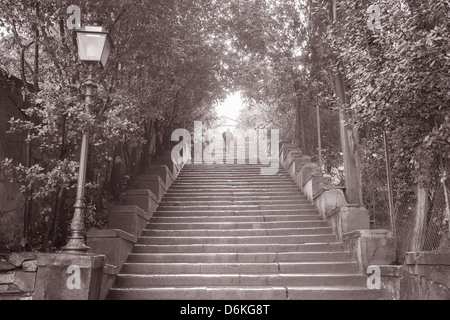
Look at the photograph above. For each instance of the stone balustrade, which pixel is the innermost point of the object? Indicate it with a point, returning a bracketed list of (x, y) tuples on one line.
[(424, 275)]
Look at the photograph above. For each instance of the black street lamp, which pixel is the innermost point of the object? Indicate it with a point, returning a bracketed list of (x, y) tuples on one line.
[(94, 46)]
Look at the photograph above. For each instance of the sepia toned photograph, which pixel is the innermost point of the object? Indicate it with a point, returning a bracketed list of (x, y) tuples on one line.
[(225, 158)]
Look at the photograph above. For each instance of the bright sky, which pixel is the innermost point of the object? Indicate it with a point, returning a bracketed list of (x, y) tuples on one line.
[(231, 106)]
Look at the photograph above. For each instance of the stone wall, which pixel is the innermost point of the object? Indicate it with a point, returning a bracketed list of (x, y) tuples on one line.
[(50, 276), (18, 276), (424, 276)]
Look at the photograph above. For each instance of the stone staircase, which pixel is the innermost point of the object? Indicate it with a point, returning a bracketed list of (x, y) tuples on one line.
[(226, 232)]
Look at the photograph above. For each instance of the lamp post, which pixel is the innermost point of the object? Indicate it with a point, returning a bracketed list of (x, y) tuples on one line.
[(94, 46)]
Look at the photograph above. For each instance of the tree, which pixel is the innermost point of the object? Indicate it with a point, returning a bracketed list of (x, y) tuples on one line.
[(164, 72), (397, 76)]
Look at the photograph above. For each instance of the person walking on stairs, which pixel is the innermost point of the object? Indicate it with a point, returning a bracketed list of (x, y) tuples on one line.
[(228, 139)]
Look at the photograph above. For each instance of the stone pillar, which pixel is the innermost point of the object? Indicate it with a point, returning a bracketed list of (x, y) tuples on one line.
[(370, 247), (348, 218), (152, 183), (143, 198), (307, 170), (62, 276), (391, 278), (327, 200), (316, 184), (115, 244), (174, 169), (163, 172), (289, 162), (284, 150), (130, 219)]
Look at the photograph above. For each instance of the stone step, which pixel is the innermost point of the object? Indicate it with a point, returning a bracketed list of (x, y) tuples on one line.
[(248, 181), (239, 240), (234, 207), (235, 198), (268, 187), (233, 177), (224, 226), (244, 173), (229, 167), (236, 177), (232, 187), (240, 268), (226, 167), (239, 226), (309, 211), (256, 173), (226, 280), (234, 168), (245, 293), (235, 232), (307, 221), (235, 185), (227, 232), (172, 203), (232, 194), (241, 193), (254, 257), (238, 248)]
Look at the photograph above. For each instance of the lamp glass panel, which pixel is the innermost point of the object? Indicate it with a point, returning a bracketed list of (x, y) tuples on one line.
[(105, 54), (90, 46)]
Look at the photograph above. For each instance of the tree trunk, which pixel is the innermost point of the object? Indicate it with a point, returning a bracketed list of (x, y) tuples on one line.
[(146, 152), (420, 218), (116, 175), (299, 137), (57, 236), (52, 220), (36, 53), (349, 135)]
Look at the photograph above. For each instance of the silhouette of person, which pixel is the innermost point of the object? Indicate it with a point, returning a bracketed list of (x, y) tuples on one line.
[(228, 138)]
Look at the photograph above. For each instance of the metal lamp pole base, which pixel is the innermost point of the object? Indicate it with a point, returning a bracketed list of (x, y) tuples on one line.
[(75, 244)]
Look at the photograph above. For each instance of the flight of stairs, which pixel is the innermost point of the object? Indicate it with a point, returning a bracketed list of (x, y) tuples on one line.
[(226, 232)]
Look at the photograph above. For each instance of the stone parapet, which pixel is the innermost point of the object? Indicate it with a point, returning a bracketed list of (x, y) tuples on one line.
[(427, 276), (423, 276), (284, 149), (154, 183), (163, 172), (347, 218), (62, 276), (115, 244), (327, 200), (291, 158), (167, 161), (143, 198), (316, 184), (130, 219), (370, 247)]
